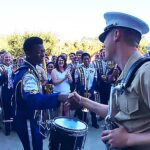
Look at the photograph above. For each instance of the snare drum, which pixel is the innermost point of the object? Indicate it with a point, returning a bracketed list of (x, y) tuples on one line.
[(67, 134)]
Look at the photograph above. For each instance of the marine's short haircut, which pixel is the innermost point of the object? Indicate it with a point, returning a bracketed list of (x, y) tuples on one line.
[(131, 37), (30, 42)]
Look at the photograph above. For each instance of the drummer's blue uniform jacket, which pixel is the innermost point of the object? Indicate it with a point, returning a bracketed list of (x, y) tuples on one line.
[(27, 98)]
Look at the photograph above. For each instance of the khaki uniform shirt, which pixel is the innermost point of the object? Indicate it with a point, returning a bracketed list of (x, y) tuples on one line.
[(133, 105)]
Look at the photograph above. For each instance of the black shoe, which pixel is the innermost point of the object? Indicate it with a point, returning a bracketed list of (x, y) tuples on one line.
[(95, 126)]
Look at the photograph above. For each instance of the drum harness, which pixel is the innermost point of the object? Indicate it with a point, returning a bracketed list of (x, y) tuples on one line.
[(125, 83)]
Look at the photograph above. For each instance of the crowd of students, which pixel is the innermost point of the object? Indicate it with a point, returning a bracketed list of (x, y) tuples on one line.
[(91, 79)]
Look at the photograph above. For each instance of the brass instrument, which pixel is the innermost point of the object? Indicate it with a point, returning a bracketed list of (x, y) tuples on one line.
[(85, 111), (48, 88), (43, 116)]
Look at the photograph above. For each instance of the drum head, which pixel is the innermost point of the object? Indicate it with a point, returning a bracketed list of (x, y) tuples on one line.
[(70, 123)]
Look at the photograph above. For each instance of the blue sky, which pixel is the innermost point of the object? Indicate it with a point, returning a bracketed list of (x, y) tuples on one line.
[(68, 19)]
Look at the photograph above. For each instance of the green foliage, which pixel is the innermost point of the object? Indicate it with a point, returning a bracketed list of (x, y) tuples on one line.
[(88, 45), (14, 43), (143, 45), (3, 42)]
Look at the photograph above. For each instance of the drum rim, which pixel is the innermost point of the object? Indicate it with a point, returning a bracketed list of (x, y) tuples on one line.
[(67, 129)]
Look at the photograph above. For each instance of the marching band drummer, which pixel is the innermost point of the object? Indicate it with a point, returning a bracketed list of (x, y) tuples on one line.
[(27, 96), (6, 84)]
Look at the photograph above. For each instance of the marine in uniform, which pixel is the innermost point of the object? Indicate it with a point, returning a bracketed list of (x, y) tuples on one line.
[(130, 104), (28, 98)]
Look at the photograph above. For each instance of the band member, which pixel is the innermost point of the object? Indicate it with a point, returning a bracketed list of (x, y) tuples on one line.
[(49, 67), (20, 61), (27, 96), (6, 84), (85, 79), (72, 66), (1, 55), (78, 55), (130, 107), (54, 58), (104, 70)]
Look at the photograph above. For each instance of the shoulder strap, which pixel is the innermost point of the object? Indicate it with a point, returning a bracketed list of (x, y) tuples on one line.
[(132, 71)]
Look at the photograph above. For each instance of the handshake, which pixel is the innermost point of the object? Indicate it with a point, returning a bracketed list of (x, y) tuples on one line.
[(72, 100)]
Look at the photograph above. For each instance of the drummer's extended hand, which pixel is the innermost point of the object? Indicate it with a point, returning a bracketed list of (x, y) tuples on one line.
[(63, 97)]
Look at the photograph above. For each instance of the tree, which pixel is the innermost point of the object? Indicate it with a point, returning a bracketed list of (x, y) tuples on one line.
[(15, 42), (143, 45)]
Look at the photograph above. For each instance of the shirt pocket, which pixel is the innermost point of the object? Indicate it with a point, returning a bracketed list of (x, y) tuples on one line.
[(128, 103)]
